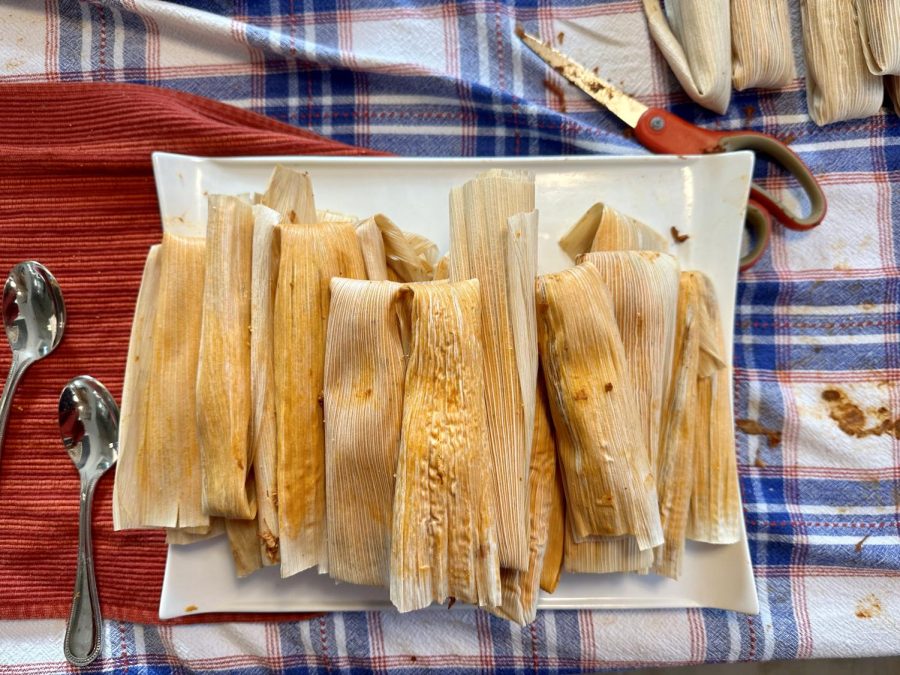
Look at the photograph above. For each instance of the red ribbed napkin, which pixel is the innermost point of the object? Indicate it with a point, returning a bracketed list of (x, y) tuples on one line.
[(77, 194)]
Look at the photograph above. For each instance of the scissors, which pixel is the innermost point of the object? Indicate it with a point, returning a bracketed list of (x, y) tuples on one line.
[(664, 133)]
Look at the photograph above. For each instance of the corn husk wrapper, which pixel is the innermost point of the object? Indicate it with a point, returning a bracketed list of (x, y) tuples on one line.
[(127, 508), (372, 246), (310, 256), (442, 268), (243, 538), (147, 495), (879, 30), (520, 590), (223, 369), (328, 216), (761, 45), (695, 39), (409, 256), (364, 373), (602, 228), (266, 252), (556, 530), (839, 85), (191, 535), (479, 248), (676, 454), (290, 193), (610, 490), (444, 543), (716, 516)]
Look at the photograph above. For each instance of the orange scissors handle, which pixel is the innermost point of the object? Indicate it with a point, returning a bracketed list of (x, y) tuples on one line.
[(664, 133)]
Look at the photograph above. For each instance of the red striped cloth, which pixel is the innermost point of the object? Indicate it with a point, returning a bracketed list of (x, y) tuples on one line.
[(77, 194)]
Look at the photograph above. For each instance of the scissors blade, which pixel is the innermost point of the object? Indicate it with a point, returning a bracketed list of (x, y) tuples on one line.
[(613, 99)]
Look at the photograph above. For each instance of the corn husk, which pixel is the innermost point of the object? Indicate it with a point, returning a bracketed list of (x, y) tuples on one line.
[(694, 37), (716, 516), (127, 508), (191, 535), (290, 193), (426, 249), (520, 590), (163, 487), (879, 31), (310, 256), (408, 256), (479, 238), (372, 246), (364, 373), (223, 369), (610, 490), (243, 538), (675, 463), (442, 268), (644, 290), (602, 228), (266, 252), (328, 216), (603, 555), (839, 85), (761, 44), (556, 534), (444, 542)]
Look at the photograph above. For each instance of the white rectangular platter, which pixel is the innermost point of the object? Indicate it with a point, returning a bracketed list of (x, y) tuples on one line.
[(704, 197)]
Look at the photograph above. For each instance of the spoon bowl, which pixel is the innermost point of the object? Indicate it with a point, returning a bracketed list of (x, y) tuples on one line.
[(89, 426)]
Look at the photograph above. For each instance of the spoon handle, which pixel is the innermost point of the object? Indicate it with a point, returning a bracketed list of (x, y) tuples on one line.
[(83, 632), (16, 369)]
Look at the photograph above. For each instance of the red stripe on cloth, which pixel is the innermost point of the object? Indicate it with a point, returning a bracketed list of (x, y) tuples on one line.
[(79, 196)]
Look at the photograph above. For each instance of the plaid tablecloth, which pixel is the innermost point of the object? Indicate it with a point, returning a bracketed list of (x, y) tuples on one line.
[(817, 341)]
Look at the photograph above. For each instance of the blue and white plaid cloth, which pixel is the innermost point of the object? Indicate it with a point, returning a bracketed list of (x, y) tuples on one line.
[(820, 312)]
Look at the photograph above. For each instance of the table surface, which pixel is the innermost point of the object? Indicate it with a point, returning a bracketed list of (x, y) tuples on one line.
[(820, 311)]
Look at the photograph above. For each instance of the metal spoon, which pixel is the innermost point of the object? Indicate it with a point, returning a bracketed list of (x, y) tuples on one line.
[(89, 424), (34, 317)]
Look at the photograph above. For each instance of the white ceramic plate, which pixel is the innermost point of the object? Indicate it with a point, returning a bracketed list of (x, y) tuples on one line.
[(704, 197)]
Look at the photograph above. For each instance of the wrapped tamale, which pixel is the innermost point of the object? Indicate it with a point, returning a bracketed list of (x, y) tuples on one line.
[(191, 535), (839, 85), (715, 515), (371, 244), (127, 508), (644, 290), (223, 370), (162, 485), (879, 30), (443, 537), (479, 248), (556, 530), (409, 257), (243, 538), (310, 256), (364, 373), (674, 466), (290, 193), (610, 490), (761, 45), (695, 39), (266, 249), (520, 590), (602, 228), (442, 268), (602, 555)]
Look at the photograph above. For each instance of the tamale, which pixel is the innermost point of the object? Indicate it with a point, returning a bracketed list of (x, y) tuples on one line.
[(407, 256), (443, 540), (372, 246), (839, 85), (223, 369), (263, 445), (695, 39), (602, 228), (879, 30), (364, 372), (442, 268), (610, 490), (716, 516), (479, 230), (556, 531), (520, 590), (674, 466), (127, 512), (243, 538), (644, 290), (168, 484), (426, 249), (290, 193), (761, 45), (191, 535), (310, 256), (602, 555)]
